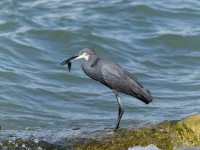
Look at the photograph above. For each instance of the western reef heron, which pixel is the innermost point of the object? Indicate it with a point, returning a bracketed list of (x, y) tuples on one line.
[(111, 75)]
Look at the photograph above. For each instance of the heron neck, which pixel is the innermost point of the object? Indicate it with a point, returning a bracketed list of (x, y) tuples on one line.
[(87, 65), (90, 62)]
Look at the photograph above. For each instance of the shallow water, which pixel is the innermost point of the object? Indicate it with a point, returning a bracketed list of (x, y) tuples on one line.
[(158, 42)]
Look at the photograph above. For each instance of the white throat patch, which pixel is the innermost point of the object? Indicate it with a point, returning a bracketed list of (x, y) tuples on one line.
[(84, 55)]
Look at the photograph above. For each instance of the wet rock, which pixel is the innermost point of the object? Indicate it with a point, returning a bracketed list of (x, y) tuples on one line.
[(24, 144), (166, 136), (169, 135)]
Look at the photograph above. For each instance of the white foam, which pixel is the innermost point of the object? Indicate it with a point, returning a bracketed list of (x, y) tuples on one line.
[(149, 147)]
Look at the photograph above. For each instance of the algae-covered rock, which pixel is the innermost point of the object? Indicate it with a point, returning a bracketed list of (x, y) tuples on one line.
[(166, 136), (187, 131)]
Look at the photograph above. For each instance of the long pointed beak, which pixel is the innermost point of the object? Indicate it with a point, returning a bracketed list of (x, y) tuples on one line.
[(68, 62)]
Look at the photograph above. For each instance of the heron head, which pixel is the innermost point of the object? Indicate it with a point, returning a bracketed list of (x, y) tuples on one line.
[(84, 53)]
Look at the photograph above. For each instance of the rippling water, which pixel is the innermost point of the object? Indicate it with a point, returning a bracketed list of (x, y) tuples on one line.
[(159, 42)]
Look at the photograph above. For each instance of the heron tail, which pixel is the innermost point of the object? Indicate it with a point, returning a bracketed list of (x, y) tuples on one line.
[(144, 95)]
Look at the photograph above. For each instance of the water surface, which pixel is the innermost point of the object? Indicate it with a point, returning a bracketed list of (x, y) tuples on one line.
[(158, 42)]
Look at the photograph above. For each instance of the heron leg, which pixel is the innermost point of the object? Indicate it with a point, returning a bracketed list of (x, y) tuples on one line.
[(121, 110)]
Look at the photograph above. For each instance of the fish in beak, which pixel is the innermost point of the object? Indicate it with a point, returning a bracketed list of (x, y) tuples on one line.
[(76, 57), (68, 62)]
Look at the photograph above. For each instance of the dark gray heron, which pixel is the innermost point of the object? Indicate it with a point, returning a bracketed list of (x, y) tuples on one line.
[(111, 75)]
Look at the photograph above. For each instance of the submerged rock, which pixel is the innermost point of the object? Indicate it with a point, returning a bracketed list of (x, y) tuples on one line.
[(24, 144), (166, 136)]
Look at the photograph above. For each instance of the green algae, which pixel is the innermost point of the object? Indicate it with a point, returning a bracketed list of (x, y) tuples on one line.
[(188, 131), (167, 136), (123, 139)]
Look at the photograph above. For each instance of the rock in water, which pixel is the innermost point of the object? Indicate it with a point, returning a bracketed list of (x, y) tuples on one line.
[(168, 135)]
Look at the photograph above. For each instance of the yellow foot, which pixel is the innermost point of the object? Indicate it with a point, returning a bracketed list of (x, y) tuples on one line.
[(110, 131)]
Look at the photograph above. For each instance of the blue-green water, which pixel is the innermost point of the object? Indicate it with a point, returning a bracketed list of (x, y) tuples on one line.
[(159, 42)]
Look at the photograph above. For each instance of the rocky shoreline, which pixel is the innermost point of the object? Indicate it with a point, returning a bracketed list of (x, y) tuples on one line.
[(168, 135)]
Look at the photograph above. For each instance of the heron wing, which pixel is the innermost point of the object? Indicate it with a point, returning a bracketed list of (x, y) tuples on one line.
[(133, 78), (117, 77)]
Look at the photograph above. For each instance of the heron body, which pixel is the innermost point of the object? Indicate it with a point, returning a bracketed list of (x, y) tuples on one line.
[(113, 76)]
